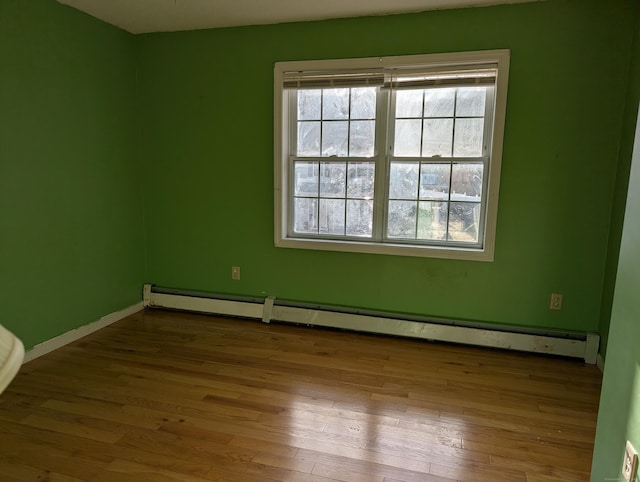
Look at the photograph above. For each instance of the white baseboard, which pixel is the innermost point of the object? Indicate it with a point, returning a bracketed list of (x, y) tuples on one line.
[(600, 362), (77, 333)]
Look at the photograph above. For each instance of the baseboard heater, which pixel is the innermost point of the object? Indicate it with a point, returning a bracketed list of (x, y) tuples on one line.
[(267, 309)]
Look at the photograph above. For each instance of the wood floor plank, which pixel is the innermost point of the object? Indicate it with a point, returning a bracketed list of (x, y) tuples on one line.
[(172, 397), (20, 473), (127, 471)]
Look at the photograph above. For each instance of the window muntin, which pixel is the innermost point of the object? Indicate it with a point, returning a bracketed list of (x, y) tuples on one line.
[(396, 158)]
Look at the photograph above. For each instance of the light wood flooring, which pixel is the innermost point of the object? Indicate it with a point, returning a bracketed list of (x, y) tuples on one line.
[(166, 396)]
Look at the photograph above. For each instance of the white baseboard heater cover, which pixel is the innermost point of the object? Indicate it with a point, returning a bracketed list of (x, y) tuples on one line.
[(570, 344)]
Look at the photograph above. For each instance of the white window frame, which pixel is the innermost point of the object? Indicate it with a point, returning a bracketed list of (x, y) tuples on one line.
[(282, 145)]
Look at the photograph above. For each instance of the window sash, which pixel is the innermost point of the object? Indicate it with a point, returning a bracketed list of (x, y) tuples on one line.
[(319, 197), (450, 198)]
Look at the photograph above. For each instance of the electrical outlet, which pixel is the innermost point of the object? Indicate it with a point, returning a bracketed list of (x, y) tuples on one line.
[(630, 463), (235, 272), (556, 302)]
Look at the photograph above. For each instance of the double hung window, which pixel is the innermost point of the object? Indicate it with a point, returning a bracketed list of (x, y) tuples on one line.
[(396, 155)]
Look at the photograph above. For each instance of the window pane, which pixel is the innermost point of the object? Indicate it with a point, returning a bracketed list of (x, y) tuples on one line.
[(359, 218), (466, 182), (363, 103), (331, 216), (360, 180), (306, 179), (333, 179), (362, 138), (470, 101), (463, 222), (308, 139), (432, 220), (407, 139), (439, 102), (305, 215), (403, 180), (335, 104), (468, 138), (434, 181), (402, 219), (334, 138), (309, 104), (438, 135), (409, 103)]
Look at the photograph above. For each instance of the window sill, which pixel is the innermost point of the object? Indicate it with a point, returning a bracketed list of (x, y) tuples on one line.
[(444, 252)]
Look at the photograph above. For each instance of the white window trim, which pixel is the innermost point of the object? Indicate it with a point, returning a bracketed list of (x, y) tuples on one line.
[(281, 149)]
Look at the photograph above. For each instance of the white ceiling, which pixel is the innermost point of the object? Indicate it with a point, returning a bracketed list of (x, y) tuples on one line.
[(141, 16)]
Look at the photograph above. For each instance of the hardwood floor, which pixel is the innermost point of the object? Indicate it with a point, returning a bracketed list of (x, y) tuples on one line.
[(166, 396)]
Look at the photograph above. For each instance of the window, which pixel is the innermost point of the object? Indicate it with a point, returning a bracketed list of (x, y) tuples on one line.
[(395, 155)]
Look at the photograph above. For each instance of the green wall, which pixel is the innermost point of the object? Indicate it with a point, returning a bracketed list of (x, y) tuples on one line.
[(620, 192), (71, 241), (619, 416), (206, 131)]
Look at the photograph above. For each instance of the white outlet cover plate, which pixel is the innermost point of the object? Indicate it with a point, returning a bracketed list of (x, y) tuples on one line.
[(630, 463)]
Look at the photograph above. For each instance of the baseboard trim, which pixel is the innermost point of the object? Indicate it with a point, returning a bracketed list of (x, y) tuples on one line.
[(572, 344), (600, 362), (77, 333)]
